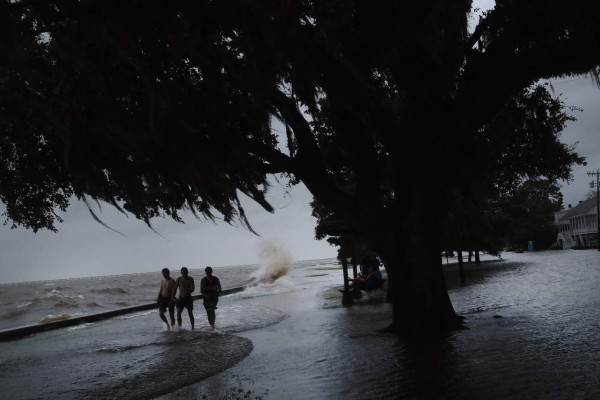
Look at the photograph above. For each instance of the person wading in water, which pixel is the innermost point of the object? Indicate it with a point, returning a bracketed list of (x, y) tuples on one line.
[(210, 287), (185, 284), (166, 297)]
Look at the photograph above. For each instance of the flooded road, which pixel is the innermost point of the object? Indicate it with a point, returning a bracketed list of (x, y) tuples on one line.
[(547, 343), (533, 333)]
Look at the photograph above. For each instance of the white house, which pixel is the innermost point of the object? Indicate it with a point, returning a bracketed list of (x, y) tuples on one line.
[(578, 226)]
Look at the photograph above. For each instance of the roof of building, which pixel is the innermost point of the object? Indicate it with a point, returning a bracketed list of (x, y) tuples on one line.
[(582, 208)]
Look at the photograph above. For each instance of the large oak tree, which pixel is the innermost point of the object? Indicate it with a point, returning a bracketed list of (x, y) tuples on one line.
[(157, 107)]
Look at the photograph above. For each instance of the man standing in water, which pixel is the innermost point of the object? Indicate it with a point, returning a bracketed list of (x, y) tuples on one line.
[(210, 287), (186, 286), (166, 297)]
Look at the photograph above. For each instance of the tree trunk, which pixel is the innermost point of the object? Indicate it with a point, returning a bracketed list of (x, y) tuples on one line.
[(461, 267), (346, 296), (417, 290), (477, 260), (416, 284)]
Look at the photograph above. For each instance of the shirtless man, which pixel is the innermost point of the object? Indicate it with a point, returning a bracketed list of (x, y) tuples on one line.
[(186, 286), (166, 297), (210, 287)]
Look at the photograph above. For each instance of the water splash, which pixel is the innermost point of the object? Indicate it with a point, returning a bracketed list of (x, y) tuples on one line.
[(275, 262)]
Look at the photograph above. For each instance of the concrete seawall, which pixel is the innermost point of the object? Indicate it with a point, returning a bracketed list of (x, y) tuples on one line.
[(19, 332)]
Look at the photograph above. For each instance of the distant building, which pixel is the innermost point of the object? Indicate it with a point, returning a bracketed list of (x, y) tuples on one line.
[(577, 225)]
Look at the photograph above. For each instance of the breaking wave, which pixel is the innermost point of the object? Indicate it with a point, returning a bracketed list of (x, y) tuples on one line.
[(109, 290), (60, 299), (13, 313)]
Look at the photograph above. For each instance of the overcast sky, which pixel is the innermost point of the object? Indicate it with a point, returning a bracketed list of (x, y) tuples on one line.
[(82, 247), (584, 133)]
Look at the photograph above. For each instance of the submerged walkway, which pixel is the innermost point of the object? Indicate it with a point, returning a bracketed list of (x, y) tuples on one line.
[(546, 345), (15, 333)]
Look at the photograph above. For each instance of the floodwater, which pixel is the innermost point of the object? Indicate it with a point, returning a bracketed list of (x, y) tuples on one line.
[(533, 333), (132, 356)]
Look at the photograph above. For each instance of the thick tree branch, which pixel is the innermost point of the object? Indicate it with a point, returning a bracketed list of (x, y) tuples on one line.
[(276, 161), (309, 165)]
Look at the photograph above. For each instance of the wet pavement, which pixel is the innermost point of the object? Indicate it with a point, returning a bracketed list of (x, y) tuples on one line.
[(533, 333)]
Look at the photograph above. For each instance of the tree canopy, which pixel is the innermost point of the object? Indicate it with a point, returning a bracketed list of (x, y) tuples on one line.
[(524, 163), (156, 107)]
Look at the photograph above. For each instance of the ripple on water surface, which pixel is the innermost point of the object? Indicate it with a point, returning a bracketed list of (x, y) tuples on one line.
[(94, 363), (129, 358)]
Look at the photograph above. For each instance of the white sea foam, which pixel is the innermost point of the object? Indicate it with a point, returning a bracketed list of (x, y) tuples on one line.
[(268, 287), (80, 326), (54, 318)]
